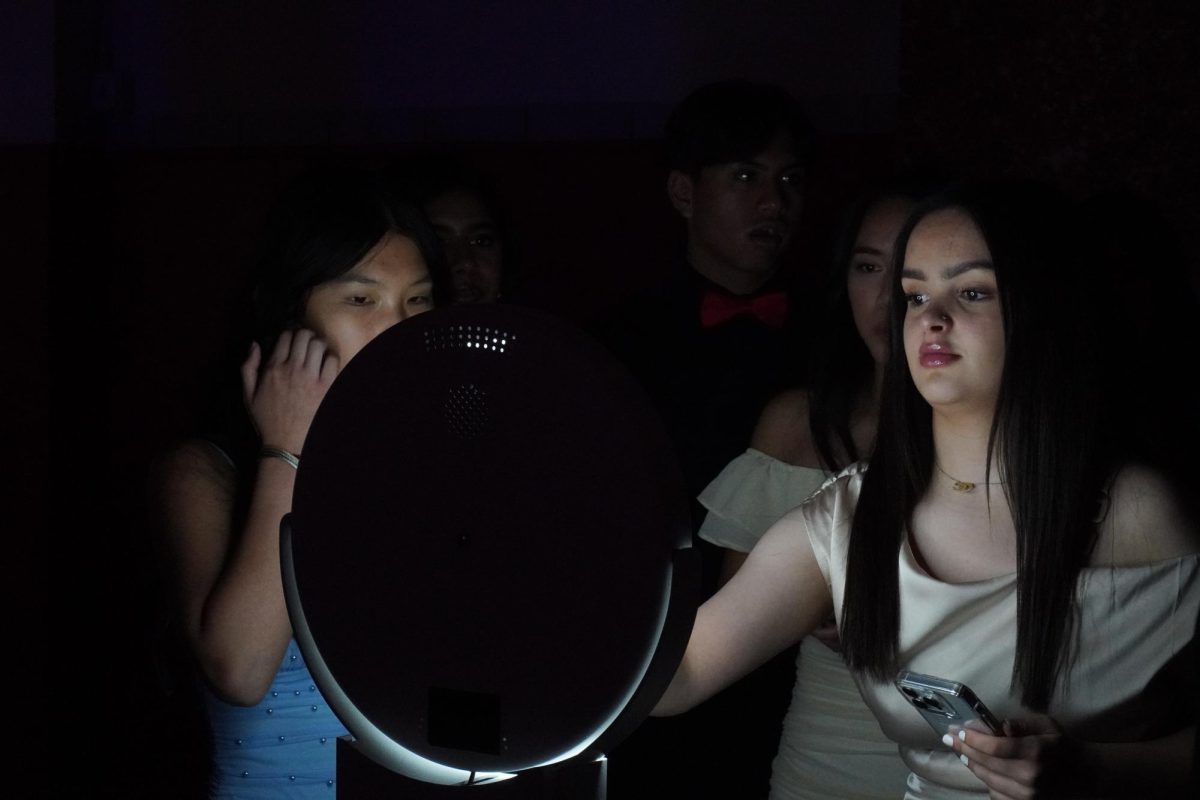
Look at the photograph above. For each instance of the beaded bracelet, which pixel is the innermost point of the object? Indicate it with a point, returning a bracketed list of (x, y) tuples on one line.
[(292, 459)]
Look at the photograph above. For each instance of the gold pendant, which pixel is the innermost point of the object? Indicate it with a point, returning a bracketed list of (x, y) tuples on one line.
[(963, 486)]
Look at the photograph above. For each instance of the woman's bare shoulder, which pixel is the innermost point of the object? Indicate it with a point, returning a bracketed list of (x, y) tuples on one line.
[(783, 430), (193, 463), (193, 488), (1145, 518)]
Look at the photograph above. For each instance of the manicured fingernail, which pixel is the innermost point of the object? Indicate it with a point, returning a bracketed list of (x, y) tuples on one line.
[(962, 735), (963, 759), (948, 740)]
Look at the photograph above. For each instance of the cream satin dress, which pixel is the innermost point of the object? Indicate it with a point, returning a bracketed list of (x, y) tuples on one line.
[(1131, 677)]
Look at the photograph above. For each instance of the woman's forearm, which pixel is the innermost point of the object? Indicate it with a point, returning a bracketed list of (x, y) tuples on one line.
[(776, 598), (244, 627)]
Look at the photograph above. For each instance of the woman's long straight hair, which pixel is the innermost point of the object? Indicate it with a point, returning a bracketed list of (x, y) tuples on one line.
[(1053, 465), (841, 367)]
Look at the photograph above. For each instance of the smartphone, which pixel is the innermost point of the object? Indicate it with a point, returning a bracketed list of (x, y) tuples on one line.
[(945, 704)]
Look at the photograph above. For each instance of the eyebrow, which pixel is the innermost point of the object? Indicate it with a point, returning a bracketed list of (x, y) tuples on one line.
[(792, 166), (952, 271), (473, 227), (862, 248), (351, 277)]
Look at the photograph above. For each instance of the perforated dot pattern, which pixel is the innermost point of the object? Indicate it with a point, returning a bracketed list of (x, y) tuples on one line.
[(467, 411), (468, 337)]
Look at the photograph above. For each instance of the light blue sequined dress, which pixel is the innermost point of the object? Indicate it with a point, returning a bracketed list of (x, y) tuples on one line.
[(284, 747)]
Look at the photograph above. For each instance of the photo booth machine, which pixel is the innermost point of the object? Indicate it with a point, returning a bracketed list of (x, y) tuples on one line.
[(488, 561)]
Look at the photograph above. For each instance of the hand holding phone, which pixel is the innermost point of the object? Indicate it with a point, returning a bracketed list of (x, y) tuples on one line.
[(945, 704)]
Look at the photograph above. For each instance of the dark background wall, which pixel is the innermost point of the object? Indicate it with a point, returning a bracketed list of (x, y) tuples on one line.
[(26, 132), (141, 142)]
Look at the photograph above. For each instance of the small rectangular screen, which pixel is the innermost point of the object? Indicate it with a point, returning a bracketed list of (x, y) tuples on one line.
[(463, 720)]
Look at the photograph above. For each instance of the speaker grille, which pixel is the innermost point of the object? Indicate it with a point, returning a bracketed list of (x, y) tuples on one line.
[(466, 411)]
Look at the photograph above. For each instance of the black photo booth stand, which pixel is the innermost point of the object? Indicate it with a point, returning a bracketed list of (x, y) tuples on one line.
[(488, 561)]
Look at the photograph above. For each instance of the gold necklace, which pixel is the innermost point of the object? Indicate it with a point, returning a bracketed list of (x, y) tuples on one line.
[(962, 486)]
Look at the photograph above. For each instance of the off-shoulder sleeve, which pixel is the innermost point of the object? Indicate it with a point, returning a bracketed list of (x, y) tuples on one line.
[(826, 517), (752, 493)]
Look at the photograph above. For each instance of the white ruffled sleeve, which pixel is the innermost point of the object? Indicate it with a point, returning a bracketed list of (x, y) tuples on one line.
[(750, 495)]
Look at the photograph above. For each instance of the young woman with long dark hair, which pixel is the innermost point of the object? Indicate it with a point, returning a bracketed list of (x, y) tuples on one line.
[(830, 744), (998, 538), (343, 261)]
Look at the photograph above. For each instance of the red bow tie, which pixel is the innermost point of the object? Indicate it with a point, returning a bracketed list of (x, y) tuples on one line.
[(717, 307)]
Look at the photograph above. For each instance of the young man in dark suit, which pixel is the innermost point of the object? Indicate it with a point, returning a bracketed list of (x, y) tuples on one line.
[(710, 347)]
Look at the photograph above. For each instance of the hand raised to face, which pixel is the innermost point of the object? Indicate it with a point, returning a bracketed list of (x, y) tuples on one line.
[(283, 395)]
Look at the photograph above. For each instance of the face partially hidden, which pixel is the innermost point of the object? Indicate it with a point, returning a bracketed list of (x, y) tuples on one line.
[(389, 285), (869, 274), (953, 329), (474, 251), (741, 216)]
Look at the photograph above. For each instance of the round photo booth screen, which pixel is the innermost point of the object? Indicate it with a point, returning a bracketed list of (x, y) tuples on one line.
[(488, 562)]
